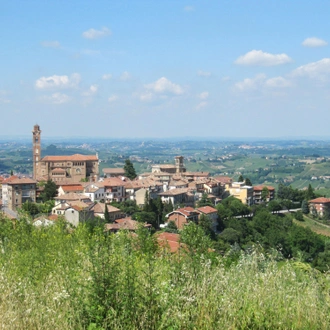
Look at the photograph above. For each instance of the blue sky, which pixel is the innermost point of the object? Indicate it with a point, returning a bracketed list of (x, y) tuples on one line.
[(165, 68)]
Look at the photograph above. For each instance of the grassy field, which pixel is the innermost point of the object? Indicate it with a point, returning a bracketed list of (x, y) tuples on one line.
[(315, 226)]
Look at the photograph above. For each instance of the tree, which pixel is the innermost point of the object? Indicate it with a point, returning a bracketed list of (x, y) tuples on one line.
[(106, 214), (240, 178), (205, 223), (171, 227), (49, 191), (264, 194), (304, 207), (310, 192), (129, 169), (204, 201), (248, 182), (299, 216), (274, 206)]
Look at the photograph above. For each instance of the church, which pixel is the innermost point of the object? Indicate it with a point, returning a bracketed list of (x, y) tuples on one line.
[(62, 169)]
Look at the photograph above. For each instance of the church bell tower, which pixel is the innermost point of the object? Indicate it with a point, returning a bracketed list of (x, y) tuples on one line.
[(36, 150)]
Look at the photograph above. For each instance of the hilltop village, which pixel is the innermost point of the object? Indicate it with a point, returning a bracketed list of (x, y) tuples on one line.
[(82, 193)]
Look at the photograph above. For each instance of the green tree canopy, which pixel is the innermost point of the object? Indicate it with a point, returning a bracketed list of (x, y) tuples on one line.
[(129, 169), (240, 178), (248, 182), (49, 192)]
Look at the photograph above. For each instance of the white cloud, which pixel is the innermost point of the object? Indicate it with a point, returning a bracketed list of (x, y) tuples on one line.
[(163, 86), (260, 58), (107, 76), (203, 73), (251, 83), (3, 98), (57, 98), (278, 82), (316, 70), (188, 8), (226, 78), (51, 44), (96, 34), (201, 105), (146, 97), (58, 82), (125, 76), (203, 95), (314, 42), (112, 98), (91, 91)]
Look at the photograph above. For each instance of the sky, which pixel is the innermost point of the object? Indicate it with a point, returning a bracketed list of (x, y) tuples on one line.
[(165, 68)]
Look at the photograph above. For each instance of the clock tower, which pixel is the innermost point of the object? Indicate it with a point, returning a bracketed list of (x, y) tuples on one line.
[(36, 150)]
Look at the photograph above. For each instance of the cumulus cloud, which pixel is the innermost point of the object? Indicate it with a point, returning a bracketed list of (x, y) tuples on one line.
[(251, 83), (96, 34), (203, 73), (58, 82), (107, 76), (125, 76), (315, 70), (91, 91), (164, 86), (57, 98), (51, 44), (203, 95), (145, 97), (260, 58), (314, 42), (112, 98), (278, 82)]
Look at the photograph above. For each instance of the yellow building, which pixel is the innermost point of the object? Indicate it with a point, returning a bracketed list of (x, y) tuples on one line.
[(240, 191)]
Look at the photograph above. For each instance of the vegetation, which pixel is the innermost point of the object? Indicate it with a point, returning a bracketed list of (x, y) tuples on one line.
[(49, 191), (129, 169), (83, 279)]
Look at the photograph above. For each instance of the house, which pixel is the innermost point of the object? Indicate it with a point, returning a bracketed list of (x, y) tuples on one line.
[(176, 196), (74, 212), (114, 189), (320, 204), (95, 191), (114, 212), (68, 188), (125, 224), (113, 172), (16, 191), (71, 197), (240, 191), (211, 212), (257, 194), (182, 216)]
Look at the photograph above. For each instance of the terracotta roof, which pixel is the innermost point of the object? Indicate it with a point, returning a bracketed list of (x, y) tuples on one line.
[(170, 240), (100, 208), (223, 179), (113, 182), (126, 223), (198, 174), (174, 192), (16, 180), (320, 200), (58, 169), (207, 209), (72, 188), (186, 211), (76, 157), (260, 187), (72, 197)]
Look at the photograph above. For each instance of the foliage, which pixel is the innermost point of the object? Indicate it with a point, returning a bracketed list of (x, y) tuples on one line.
[(240, 178), (52, 278), (129, 169), (171, 227), (304, 207), (205, 201), (49, 191), (106, 214), (248, 182), (264, 194), (299, 216), (231, 206)]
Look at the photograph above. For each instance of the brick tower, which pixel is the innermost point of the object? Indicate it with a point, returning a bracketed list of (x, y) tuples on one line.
[(36, 150)]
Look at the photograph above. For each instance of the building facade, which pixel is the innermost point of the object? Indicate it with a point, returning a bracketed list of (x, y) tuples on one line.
[(62, 169)]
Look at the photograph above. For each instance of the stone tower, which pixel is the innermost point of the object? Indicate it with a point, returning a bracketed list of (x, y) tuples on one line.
[(179, 164), (36, 135)]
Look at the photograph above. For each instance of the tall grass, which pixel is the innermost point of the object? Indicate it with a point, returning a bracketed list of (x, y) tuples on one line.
[(53, 279)]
